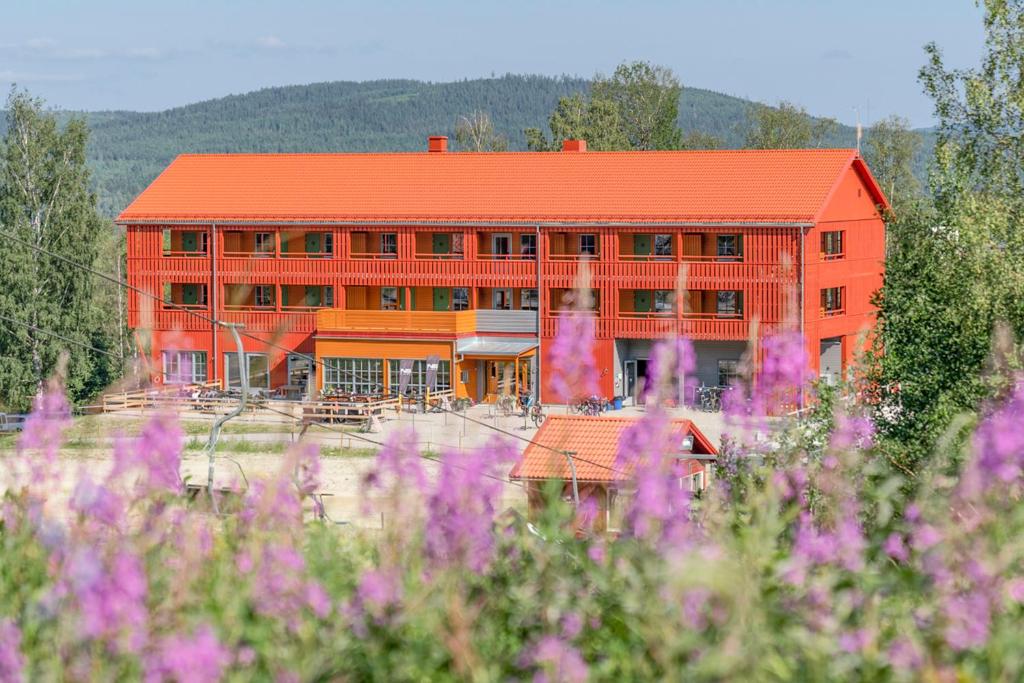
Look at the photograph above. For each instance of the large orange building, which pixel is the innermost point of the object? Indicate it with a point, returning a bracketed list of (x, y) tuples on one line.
[(375, 263)]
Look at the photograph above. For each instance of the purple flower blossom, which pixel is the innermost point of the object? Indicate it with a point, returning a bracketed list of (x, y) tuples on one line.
[(110, 595), (155, 452), (852, 432), (97, 502), (670, 372), (1015, 589), (12, 663), (998, 447), (43, 431), (967, 620), (895, 548), (557, 662), (905, 655), (199, 658), (659, 508), (461, 508), (571, 358), (854, 641), (924, 537)]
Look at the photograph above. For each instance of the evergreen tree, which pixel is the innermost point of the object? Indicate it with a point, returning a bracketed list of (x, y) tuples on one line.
[(45, 201)]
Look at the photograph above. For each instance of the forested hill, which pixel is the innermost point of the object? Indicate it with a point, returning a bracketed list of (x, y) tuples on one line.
[(128, 149)]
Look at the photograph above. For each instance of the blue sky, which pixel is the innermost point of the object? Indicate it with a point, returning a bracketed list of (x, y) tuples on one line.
[(827, 55)]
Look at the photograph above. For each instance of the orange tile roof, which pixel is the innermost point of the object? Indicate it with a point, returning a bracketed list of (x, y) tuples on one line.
[(789, 186), (595, 441)]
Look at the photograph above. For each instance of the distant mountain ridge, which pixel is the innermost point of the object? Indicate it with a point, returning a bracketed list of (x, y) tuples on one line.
[(128, 149)]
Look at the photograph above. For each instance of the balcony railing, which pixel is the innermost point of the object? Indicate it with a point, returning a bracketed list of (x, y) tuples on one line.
[(250, 254), (447, 323), (307, 254), (177, 306), (507, 257), (168, 253), (374, 255), (249, 307), (430, 256)]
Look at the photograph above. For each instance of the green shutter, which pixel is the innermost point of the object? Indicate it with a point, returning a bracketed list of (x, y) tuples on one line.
[(442, 243), (284, 242), (312, 296), (189, 241), (642, 300), (312, 243), (401, 298), (190, 295), (284, 295), (641, 245), (442, 296)]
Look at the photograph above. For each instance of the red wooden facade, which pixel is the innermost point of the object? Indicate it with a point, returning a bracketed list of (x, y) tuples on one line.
[(271, 268)]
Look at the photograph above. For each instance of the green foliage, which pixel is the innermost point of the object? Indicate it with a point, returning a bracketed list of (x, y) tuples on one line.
[(981, 111), (787, 127), (890, 149), (475, 133), (577, 118), (950, 278), (45, 201), (646, 97)]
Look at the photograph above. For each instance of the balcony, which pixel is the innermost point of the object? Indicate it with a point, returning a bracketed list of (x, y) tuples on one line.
[(439, 323)]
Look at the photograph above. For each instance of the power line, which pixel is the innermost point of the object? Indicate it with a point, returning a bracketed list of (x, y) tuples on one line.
[(59, 336), (270, 344)]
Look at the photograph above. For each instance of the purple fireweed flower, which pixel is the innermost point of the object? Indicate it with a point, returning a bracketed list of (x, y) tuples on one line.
[(852, 432), (317, 599), (398, 467), (572, 625), (924, 537), (895, 548), (12, 663), (571, 359), (557, 662), (279, 588), (967, 620), (155, 453), (97, 502), (998, 447), (904, 655), (854, 641), (1015, 589), (462, 506), (110, 595), (43, 431), (671, 372), (199, 658), (377, 596), (307, 468), (659, 510)]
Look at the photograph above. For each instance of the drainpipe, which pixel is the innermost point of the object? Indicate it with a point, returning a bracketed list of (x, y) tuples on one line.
[(575, 485), (214, 363), (540, 305), (803, 286)]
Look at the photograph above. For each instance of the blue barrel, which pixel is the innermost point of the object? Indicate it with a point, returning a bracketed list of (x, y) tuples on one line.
[(617, 403)]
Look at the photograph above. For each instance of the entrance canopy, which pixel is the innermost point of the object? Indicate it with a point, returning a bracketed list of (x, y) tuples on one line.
[(495, 346)]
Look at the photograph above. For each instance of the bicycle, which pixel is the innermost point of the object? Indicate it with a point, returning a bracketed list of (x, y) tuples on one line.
[(537, 414), (506, 404), (461, 404)]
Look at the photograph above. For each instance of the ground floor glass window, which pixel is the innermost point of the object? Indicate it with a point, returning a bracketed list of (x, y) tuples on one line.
[(418, 381), (184, 367), (259, 370), (354, 375)]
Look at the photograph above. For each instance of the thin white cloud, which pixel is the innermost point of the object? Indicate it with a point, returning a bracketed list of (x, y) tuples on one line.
[(10, 76), (271, 42), (46, 48)]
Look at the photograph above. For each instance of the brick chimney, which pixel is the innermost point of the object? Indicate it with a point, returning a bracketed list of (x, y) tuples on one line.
[(437, 143), (574, 145)]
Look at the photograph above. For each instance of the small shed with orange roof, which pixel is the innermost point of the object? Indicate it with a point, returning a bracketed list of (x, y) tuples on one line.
[(592, 444)]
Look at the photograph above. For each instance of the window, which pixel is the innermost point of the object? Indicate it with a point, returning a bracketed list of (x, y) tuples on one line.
[(264, 243), (832, 301), (418, 380), (729, 248), (184, 367), (832, 245), (328, 243), (663, 300), (528, 299), (354, 375), (458, 244), (728, 372), (501, 245), (264, 296), (588, 245), (501, 299), (259, 370), (528, 246), (389, 298), (389, 244), (663, 245), (329, 296), (729, 304), (460, 298)]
